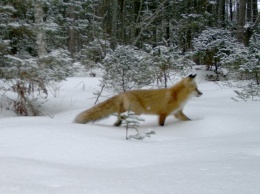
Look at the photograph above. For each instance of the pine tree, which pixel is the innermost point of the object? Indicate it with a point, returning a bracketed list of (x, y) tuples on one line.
[(169, 61), (126, 69), (218, 48), (132, 121), (27, 67), (250, 72)]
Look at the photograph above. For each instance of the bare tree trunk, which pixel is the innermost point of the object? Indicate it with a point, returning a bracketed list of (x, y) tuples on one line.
[(122, 30), (249, 11), (71, 32), (40, 41), (143, 25), (114, 24), (221, 13), (241, 20), (245, 32), (255, 10), (168, 22), (71, 41), (231, 10)]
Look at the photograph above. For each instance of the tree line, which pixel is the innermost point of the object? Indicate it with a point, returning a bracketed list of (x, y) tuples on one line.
[(74, 24), (40, 40)]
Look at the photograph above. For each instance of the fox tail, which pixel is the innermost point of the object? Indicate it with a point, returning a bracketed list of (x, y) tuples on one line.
[(100, 111)]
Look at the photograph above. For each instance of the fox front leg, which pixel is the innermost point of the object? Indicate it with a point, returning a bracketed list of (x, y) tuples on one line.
[(180, 115), (162, 118)]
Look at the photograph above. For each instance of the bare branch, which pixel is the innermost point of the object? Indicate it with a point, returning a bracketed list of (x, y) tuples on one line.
[(147, 21)]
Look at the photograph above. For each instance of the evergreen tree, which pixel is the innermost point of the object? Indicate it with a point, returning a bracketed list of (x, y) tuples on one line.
[(126, 69), (250, 71), (132, 121), (27, 67), (168, 61), (217, 48)]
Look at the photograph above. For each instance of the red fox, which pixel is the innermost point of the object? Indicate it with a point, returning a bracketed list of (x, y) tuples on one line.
[(161, 102)]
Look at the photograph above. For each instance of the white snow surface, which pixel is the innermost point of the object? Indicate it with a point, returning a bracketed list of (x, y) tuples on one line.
[(218, 152)]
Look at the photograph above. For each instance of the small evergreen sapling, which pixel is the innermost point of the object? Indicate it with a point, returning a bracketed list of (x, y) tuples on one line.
[(131, 120)]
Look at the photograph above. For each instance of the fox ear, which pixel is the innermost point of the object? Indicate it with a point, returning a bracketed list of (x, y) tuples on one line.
[(192, 76)]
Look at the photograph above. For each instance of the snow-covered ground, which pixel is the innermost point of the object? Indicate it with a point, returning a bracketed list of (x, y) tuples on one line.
[(216, 153)]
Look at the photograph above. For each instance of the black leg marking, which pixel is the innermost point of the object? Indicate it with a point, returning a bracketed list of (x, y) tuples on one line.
[(162, 119)]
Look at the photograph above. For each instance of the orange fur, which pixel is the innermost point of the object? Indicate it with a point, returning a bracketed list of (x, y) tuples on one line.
[(161, 102)]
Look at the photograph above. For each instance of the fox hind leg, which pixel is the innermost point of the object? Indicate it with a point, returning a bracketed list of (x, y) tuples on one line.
[(180, 115), (118, 123), (120, 118)]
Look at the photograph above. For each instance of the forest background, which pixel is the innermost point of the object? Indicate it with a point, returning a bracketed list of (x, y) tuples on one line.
[(134, 42)]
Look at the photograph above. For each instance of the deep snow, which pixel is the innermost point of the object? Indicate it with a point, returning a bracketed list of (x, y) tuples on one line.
[(216, 153)]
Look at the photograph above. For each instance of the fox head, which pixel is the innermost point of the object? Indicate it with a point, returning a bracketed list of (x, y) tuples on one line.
[(190, 83)]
